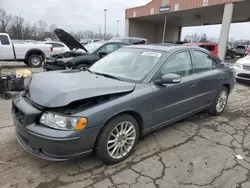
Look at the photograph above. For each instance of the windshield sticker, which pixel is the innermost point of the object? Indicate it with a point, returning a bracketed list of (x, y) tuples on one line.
[(152, 54)]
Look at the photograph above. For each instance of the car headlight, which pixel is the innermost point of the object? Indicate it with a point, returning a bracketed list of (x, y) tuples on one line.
[(62, 122), (238, 64)]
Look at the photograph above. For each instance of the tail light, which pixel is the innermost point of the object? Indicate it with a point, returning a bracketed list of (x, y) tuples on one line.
[(51, 49)]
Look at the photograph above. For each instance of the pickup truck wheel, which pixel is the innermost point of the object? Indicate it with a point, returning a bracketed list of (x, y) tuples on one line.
[(35, 61), (117, 139)]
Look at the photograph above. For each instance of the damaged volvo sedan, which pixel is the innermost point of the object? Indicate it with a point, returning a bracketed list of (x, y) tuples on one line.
[(129, 93)]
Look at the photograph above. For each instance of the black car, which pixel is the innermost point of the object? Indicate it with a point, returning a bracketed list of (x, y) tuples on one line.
[(231, 52), (81, 56)]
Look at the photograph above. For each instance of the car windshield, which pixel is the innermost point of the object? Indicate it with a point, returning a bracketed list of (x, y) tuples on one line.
[(128, 64), (91, 47)]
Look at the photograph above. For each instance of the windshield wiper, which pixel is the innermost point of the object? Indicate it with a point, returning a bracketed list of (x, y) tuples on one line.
[(108, 76)]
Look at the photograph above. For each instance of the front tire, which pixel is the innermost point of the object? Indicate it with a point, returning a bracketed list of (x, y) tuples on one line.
[(220, 102), (35, 61), (118, 139)]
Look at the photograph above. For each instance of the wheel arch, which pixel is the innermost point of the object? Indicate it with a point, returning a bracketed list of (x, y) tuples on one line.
[(34, 51), (227, 85), (137, 116)]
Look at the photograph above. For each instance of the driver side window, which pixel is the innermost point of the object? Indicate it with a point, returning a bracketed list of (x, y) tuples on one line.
[(109, 48), (180, 64)]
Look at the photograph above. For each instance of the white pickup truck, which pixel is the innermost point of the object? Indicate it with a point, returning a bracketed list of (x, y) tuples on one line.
[(31, 54)]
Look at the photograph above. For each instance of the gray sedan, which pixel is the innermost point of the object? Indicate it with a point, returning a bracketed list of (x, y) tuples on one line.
[(129, 93)]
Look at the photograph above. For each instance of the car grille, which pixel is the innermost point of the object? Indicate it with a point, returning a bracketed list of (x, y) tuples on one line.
[(18, 114), (243, 75), (246, 67)]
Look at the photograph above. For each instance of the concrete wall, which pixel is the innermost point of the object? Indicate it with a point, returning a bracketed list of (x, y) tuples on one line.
[(142, 29), (173, 33), (152, 31)]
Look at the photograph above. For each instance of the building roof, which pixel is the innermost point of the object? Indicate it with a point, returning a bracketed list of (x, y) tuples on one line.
[(162, 6)]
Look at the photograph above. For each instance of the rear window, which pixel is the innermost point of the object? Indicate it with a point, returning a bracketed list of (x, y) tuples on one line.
[(4, 40), (208, 47), (241, 47)]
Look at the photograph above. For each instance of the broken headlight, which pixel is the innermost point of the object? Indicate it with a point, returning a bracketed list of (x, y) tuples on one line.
[(58, 121)]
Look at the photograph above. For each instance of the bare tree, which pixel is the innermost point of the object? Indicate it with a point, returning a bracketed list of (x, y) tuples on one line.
[(5, 20), (52, 28), (17, 27)]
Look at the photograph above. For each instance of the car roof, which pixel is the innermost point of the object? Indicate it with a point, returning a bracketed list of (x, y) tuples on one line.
[(161, 47), (53, 42), (199, 43), (129, 38)]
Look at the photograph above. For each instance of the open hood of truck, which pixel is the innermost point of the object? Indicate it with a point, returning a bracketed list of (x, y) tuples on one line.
[(68, 40)]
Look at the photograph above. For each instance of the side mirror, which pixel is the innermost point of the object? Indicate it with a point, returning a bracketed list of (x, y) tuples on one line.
[(169, 79), (102, 54)]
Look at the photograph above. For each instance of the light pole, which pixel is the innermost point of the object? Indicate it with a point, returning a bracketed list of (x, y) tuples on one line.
[(117, 28), (105, 20)]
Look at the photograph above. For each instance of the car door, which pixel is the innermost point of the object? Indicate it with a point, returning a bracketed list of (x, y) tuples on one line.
[(173, 101), (7, 52), (209, 77)]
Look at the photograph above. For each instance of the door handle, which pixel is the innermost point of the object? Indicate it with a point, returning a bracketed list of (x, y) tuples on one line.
[(191, 85), (219, 77)]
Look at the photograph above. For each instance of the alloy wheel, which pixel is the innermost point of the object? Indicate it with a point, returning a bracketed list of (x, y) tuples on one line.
[(121, 140), (221, 101)]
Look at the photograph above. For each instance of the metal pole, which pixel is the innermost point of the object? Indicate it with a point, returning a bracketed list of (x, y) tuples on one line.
[(105, 22), (117, 27), (164, 29), (21, 26)]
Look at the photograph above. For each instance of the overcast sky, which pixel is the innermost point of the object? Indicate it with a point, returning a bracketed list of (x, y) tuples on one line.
[(74, 15)]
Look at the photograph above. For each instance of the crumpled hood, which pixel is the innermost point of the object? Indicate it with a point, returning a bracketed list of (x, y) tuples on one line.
[(60, 88)]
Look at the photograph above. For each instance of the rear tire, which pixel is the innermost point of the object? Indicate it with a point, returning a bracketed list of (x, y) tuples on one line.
[(80, 67), (117, 139), (220, 102), (7, 96), (35, 61)]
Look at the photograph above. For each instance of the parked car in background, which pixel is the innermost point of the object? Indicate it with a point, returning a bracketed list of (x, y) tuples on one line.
[(130, 40), (231, 52), (87, 41), (248, 49), (175, 42), (31, 54), (242, 69), (213, 48), (131, 92), (241, 50), (86, 55), (58, 47)]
